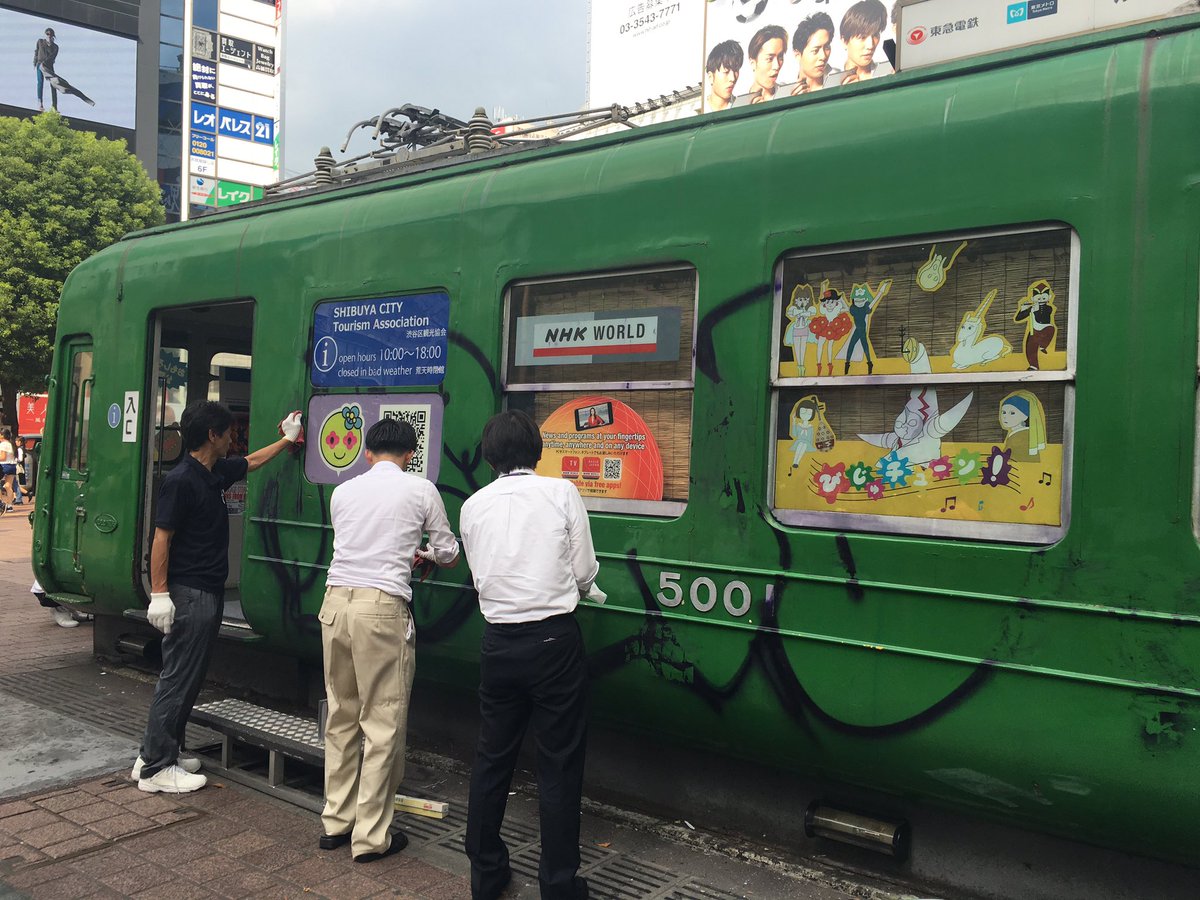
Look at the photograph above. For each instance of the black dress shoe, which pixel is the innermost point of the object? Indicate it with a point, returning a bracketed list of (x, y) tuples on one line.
[(399, 842), (333, 841)]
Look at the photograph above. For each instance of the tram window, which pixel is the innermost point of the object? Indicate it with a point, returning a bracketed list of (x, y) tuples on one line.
[(170, 400), (604, 364), (229, 383), (80, 412), (927, 387)]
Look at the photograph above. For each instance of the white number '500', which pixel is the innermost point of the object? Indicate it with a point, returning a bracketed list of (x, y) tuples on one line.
[(703, 594)]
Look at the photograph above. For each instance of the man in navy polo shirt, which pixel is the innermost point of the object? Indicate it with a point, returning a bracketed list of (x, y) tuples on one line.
[(189, 562)]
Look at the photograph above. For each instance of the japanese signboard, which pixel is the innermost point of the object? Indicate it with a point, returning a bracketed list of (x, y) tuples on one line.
[(233, 97), (936, 31)]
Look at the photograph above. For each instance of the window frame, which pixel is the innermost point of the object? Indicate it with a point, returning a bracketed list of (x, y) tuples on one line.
[(1009, 532), (542, 386), (641, 508)]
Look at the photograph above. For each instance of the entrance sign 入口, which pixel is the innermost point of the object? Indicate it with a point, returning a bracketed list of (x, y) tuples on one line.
[(130, 410)]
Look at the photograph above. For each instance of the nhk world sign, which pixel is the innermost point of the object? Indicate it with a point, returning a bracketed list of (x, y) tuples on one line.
[(232, 100)]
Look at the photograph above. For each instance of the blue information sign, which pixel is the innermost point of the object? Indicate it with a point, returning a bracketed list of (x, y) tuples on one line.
[(233, 123), (204, 118), (382, 342)]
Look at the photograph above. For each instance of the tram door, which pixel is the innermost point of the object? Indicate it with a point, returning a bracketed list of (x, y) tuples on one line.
[(200, 353), (64, 494)]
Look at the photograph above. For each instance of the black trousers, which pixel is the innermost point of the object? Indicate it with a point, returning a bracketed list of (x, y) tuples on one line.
[(530, 672), (186, 652)]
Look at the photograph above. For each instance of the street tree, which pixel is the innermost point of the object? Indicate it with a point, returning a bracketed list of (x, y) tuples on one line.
[(64, 194)]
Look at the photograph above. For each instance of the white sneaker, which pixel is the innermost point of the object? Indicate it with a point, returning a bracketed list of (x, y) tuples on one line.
[(63, 617), (189, 764), (172, 780)]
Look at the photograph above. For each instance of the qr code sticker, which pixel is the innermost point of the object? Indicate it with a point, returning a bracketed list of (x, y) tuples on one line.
[(417, 415), (612, 468)]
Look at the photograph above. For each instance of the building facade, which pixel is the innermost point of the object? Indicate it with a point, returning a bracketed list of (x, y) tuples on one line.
[(157, 74)]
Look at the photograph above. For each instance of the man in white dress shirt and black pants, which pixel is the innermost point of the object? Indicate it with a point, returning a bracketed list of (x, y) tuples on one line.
[(368, 638), (529, 544)]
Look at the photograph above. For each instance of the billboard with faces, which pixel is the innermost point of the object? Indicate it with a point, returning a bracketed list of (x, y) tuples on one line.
[(86, 75), (761, 50)]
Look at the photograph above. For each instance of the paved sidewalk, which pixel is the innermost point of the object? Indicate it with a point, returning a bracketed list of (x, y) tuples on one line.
[(72, 824), (105, 838)]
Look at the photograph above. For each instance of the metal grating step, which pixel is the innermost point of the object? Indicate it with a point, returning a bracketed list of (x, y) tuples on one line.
[(290, 735)]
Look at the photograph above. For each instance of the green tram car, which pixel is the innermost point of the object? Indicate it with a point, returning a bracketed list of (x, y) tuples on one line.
[(883, 402)]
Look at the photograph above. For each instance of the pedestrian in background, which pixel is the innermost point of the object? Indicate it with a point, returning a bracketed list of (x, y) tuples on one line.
[(8, 471), (189, 562), (368, 638), (529, 544)]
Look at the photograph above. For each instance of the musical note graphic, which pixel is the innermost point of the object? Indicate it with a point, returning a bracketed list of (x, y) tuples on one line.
[(951, 502), (1029, 505), (1047, 478)]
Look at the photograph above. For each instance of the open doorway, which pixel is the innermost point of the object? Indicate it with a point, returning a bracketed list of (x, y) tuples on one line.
[(200, 352)]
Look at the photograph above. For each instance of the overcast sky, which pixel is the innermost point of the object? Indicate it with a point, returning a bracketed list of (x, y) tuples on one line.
[(348, 61)]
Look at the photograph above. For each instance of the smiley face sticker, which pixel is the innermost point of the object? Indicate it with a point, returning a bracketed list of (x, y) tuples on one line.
[(341, 437)]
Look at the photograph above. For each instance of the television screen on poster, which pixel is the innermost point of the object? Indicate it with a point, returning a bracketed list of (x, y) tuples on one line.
[(86, 75)]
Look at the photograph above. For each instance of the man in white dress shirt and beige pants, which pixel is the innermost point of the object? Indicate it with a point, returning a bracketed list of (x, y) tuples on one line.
[(368, 638), (529, 544)]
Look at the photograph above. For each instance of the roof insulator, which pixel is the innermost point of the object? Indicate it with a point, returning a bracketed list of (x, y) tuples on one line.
[(479, 132), (324, 166)]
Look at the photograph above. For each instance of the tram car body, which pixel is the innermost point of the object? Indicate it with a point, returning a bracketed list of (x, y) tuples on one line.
[(957, 562)]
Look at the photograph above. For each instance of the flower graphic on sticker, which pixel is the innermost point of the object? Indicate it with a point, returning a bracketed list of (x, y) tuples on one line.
[(895, 469), (941, 468), (966, 466), (341, 437), (997, 467), (875, 489), (860, 475), (831, 481)]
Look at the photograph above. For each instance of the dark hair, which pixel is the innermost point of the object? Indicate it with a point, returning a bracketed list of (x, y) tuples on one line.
[(810, 26), (764, 34), (50, 31), (393, 437), (511, 440), (863, 18), (201, 417), (726, 55), (6, 432)]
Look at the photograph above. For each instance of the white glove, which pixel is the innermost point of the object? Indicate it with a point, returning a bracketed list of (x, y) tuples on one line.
[(426, 553), (595, 594), (161, 613), (290, 426)]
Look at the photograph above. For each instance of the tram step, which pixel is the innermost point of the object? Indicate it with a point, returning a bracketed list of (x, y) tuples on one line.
[(230, 631), (265, 728)]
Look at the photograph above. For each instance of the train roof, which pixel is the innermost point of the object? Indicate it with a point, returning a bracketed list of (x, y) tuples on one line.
[(447, 149)]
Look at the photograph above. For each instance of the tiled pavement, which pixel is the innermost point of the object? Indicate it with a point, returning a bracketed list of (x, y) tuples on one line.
[(102, 837), (105, 838), (88, 835)]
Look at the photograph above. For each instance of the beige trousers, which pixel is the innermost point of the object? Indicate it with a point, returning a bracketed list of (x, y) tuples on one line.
[(369, 666)]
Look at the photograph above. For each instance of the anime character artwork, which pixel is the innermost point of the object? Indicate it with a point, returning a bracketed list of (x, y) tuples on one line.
[(948, 425)]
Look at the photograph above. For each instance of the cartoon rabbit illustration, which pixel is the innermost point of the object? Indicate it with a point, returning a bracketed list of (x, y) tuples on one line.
[(972, 347)]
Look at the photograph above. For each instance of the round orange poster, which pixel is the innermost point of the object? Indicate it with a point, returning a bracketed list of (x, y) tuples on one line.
[(604, 447)]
